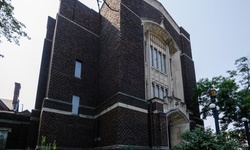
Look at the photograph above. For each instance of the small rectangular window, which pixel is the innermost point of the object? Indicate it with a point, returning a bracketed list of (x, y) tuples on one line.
[(75, 104), (78, 69)]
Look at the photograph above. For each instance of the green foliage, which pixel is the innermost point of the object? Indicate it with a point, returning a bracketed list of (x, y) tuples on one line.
[(47, 146), (200, 139), (10, 27), (233, 94), (2, 142), (129, 148)]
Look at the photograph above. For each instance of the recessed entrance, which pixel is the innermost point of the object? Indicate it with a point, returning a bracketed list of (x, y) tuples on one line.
[(177, 124)]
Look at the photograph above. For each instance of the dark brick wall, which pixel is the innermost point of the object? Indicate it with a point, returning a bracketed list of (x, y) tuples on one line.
[(186, 45), (19, 125), (188, 75), (132, 55), (109, 76), (68, 131), (74, 43), (116, 128), (108, 129), (189, 82), (123, 98), (64, 106), (44, 69), (111, 49), (33, 129), (81, 14), (158, 129), (133, 127)]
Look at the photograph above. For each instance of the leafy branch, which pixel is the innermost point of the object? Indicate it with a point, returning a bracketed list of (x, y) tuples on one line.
[(10, 27)]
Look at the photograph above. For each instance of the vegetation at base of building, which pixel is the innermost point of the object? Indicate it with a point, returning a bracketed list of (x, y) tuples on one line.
[(2, 142), (233, 96), (10, 27), (128, 147), (47, 146), (205, 139)]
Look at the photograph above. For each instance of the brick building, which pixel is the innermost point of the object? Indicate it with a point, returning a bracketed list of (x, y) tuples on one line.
[(121, 77)]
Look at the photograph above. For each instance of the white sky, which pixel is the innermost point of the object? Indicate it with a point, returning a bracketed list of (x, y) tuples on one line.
[(219, 29)]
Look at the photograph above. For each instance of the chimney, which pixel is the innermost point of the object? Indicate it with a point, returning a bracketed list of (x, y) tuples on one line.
[(15, 101)]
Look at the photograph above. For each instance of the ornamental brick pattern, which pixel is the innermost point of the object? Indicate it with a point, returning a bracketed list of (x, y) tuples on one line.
[(113, 111)]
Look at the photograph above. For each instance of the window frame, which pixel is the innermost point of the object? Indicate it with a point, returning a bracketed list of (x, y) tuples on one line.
[(78, 69), (75, 105)]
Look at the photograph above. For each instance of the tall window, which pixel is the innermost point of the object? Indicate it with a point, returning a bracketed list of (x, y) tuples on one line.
[(75, 104), (157, 54), (78, 69), (155, 58), (164, 63), (151, 56), (159, 61)]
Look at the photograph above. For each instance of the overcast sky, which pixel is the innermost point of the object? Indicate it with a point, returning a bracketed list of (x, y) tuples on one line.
[(219, 29)]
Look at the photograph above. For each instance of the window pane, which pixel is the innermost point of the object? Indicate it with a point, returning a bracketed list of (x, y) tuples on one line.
[(170, 64), (164, 64), (78, 69), (153, 90), (161, 92), (155, 58), (75, 104), (157, 91), (151, 55), (159, 61), (165, 93)]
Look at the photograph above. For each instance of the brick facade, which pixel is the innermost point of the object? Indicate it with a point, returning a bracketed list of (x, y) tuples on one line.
[(17, 125), (113, 111)]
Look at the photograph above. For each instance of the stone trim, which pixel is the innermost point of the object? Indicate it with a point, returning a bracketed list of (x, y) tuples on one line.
[(160, 147), (185, 37), (68, 103), (48, 40), (131, 10), (186, 56), (6, 129), (34, 119), (123, 147), (161, 33), (118, 104), (13, 121)]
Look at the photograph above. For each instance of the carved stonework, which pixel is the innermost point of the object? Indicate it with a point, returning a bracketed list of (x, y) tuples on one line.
[(172, 103), (159, 77), (161, 33)]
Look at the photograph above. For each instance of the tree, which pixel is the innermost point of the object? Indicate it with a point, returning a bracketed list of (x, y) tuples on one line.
[(233, 95), (10, 27), (200, 139)]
